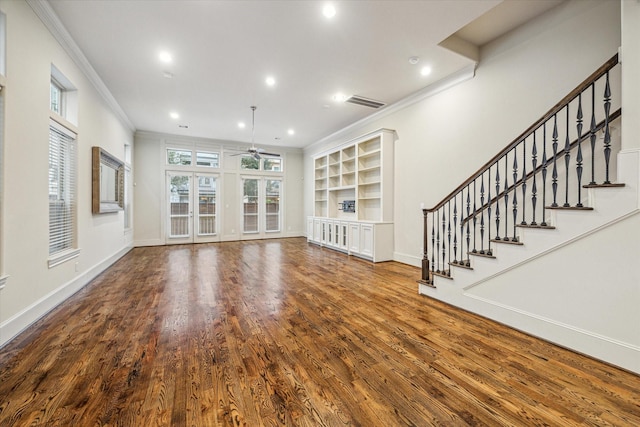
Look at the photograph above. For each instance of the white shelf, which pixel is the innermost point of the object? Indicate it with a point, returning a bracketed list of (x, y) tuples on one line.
[(370, 168)]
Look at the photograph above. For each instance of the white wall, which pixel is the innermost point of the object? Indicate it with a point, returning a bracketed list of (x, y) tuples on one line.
[(448, 136), (32, 288), (150, 199)]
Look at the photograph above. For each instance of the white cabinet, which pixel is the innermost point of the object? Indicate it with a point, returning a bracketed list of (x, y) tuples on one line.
[(310, 229), (358, 172)]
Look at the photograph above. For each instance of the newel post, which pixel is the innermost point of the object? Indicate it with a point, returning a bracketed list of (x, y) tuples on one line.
[(425, 258)]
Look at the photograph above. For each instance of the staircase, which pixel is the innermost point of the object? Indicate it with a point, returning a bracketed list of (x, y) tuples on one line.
[(496, 244)]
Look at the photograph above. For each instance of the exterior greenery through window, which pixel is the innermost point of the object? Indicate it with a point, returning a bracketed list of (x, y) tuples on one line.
[(250, 163)]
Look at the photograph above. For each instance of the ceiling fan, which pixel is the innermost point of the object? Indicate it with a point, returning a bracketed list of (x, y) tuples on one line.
[(254, 152)]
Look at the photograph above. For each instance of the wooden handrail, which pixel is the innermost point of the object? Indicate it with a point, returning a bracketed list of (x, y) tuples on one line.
[(554, 110)]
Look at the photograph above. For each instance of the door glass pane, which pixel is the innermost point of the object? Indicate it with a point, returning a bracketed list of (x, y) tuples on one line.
[(274, 165), (206, 205), (250, 206), (179, 209), (272, 205)]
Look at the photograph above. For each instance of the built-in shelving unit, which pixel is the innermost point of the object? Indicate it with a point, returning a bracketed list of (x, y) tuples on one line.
[(360, 170)]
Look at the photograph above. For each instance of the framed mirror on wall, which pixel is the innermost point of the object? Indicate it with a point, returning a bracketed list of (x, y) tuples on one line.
[(107, 182)]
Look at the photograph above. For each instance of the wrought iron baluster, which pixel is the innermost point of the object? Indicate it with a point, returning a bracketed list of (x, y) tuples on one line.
[(515, 193), (554, 173), (489, 252), (579, 155), (544, 174), (475, 251), (467, 219), (482, 214), (433, 242), (607, 130), (497, 202), (449, 233), (524, 181), (506, 197), (592, 134), (534, 187), (444, 246), (462, 220), (455, 229), (567, 160)]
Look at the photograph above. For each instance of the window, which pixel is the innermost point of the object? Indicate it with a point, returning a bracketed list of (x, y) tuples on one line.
[(56, 97), (62, 190), (272, 205), (127, 197), (209, 160), (271, 164), (250, 205), (179, 157), (250, 163)]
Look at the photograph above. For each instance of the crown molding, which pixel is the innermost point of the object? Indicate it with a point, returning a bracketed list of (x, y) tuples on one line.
[(458, 77), (43, 10)]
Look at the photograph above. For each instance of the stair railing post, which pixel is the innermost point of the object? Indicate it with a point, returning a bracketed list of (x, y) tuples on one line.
[(425, 255)]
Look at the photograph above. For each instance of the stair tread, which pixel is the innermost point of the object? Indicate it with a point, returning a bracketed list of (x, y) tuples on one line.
[(544, 227), (508, 242), (609, 185), (485, 255), (570, 208), (461, 264), (443, 273)]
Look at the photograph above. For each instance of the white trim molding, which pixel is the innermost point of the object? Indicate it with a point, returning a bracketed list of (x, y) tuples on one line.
[(43, 10)]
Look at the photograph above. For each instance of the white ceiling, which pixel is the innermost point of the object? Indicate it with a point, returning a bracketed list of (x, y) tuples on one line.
[(223, 51)]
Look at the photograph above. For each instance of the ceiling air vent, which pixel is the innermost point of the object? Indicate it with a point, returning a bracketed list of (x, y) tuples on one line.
[(355, 99)]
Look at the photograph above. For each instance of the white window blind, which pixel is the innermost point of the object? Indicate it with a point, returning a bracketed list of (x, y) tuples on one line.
[(62, 189)]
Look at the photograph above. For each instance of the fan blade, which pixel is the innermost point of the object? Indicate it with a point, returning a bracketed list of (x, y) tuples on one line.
[(238, 154), (256, 156), (264, 153)]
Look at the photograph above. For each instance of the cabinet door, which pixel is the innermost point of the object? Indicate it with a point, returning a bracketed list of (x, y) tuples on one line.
[(324, 232), (336, 234), (317, 230), (344, 236), (366, 240), (309, 229), (354, 238)]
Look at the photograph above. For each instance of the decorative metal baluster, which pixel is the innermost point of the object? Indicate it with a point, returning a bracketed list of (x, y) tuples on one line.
[(544, 174), (506, 197), (524, 180), (462, 253), (489, 252), (567, 160), (515, 193), (534, 187), (579, 155), (449, 233), (433, 241), (467, 219), (455, 229), (554, 174), (607, 130), (592, 134), (475, 251), (444, 246), (482, 214), (497, 202)]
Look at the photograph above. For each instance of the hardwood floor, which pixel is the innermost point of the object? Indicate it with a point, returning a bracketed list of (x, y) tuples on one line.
[(279, 332)]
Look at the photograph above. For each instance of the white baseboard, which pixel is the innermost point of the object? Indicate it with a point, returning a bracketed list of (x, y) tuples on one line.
[(407, 259), (148, 242), (13, 326)]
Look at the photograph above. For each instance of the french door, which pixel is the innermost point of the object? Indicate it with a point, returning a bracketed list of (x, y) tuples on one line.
[(192, 215), (261, 216)]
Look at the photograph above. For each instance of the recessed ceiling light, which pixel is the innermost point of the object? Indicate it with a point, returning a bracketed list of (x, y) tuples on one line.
[(168, 74), (329, 11), (291, 131), (174, 115), (425, 71), (165, 56), (270, 81), (339, 97), (241, 125), (413, 60)]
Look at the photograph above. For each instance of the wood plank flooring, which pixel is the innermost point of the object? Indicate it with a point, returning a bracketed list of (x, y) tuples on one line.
[(279, 332)]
